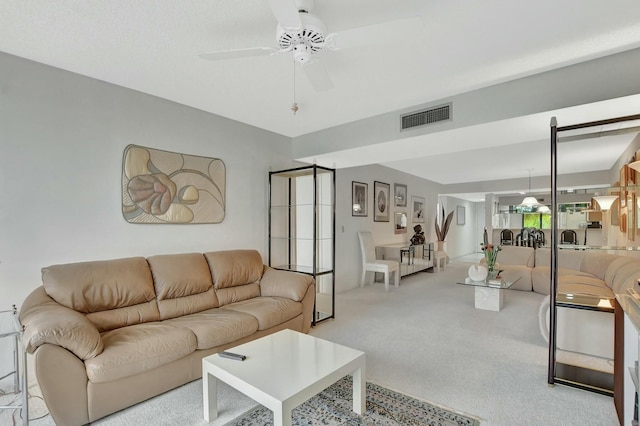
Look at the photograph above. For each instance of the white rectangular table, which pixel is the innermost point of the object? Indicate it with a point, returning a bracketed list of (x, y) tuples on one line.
[(283, 370)]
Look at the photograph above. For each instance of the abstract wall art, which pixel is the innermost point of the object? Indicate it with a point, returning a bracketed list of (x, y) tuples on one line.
[(168, 187)]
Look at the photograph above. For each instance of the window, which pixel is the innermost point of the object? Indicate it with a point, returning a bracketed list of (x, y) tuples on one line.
[(537, 220)]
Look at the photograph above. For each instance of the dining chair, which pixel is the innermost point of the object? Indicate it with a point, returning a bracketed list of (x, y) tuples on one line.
[(568, 236), (371, 264), (506, 237)]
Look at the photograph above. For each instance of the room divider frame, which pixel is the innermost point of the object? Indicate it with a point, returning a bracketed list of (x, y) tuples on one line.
[(556, 130)]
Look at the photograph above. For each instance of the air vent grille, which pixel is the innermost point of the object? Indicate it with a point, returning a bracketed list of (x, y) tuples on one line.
[(426, 116)]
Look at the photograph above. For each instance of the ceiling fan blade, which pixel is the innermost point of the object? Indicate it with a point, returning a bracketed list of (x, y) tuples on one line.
[(286, 13), (238, 53), (317, 75), (384, 32)]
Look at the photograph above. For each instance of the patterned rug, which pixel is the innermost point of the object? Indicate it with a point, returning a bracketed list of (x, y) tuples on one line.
[(334, 405)]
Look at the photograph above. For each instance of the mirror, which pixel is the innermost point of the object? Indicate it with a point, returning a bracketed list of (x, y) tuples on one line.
[(401, 222)]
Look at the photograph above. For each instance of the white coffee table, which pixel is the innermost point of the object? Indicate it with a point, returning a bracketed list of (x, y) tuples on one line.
[(283, 370)]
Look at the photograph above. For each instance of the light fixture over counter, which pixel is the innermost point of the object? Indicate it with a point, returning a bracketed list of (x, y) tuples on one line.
[(605, 201), (530, 201)]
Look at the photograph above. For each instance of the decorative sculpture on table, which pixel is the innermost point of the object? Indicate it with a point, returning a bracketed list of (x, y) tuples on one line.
[(418, 237), (478, 272)]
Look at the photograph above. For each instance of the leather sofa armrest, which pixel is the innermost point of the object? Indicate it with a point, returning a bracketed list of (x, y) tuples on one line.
[(46, 321), (291, 285)]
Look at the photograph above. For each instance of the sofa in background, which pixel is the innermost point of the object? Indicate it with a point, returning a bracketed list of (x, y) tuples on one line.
[(106, 335), (580, 272)]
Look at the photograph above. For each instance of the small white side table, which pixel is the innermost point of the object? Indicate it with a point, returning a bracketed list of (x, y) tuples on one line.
[(11, 328)]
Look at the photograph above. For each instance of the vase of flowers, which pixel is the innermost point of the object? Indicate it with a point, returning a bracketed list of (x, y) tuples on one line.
[(490, 257)]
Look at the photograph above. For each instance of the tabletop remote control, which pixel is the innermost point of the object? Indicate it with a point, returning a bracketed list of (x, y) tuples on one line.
[(231, 355)]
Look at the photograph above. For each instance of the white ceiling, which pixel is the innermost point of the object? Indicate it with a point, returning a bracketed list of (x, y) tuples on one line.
[(153, 47)]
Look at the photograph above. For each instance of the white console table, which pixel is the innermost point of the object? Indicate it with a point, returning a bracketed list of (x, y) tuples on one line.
[(412, 258)]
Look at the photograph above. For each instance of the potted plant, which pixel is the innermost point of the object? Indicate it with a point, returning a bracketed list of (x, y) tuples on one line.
[(442, 229)]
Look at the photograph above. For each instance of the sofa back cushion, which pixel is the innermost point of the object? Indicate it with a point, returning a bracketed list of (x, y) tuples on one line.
[(111, 293), (596, 263), (516, 255), (236, 274), (623, 273), (568, 259), (183, 284)]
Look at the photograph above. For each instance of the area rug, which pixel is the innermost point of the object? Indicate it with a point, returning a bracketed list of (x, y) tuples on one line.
[(334, 405)]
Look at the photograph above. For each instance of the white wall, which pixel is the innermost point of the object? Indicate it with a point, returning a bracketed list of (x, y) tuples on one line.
[(461, 239), (62, 137), (348, 257)]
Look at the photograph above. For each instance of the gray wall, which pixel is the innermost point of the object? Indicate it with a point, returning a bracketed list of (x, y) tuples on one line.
[(460, 239), (62, 138)]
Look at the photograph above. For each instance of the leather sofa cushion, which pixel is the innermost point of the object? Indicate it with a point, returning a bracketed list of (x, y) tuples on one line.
[(234, 267), (135, 349), (269, 311), (272, 280), (183, 284), (113, 293), (100, 285), (123, 317), (237, 293), (217, 327), (46, 321)]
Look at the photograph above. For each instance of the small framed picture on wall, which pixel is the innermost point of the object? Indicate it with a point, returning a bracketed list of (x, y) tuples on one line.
[(381, 201), (400, 194), (417, 209), (359, 199), (460, 215)]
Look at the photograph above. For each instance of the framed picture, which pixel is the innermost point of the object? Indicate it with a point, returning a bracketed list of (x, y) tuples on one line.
[(381, 201), (400, 194), (614, 212), (359, 200), (400, 223), (417, 209), (631, 215), (460, 215), (624, 175)]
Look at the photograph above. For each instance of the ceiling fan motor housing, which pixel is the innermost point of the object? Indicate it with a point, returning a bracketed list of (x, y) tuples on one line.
[(306, 40)]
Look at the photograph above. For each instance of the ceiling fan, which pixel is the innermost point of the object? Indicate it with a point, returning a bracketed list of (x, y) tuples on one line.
[(304, 35)]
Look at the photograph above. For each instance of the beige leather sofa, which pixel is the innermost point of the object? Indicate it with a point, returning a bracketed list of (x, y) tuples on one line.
[(580, 272), (108, 334)]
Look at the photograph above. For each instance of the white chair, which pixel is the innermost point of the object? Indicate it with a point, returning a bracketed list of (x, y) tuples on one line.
[(371, 264)]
